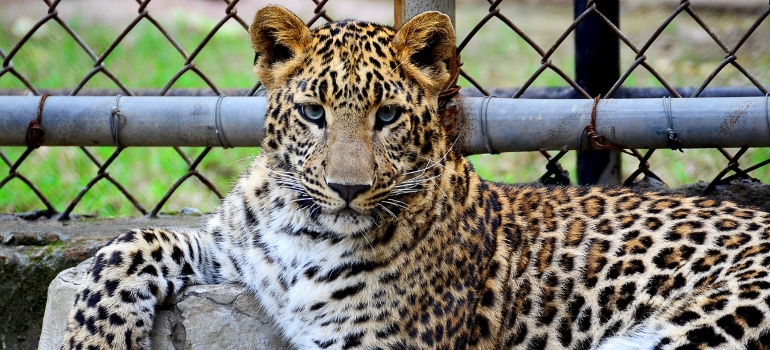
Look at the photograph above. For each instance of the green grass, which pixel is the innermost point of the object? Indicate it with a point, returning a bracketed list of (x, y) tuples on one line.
[(496, 57), (144, 59), (61, 172)]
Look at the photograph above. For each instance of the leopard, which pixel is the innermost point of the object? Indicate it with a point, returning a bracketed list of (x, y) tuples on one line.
[(360, 225)]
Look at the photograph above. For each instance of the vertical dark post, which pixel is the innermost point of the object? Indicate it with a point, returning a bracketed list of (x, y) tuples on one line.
[(597, 68)]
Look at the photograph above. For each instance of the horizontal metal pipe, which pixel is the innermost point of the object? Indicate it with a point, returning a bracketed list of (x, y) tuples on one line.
[(510, 125), (528, 124), (146, 121)]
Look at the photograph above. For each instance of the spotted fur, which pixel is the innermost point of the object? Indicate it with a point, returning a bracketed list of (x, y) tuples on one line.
[(357, 230)]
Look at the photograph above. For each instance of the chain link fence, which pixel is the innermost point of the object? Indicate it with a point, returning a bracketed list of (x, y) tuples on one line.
[(545, 66), (609, 24)]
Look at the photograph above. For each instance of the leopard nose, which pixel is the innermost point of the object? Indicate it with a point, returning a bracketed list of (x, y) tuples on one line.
[(348, 192)]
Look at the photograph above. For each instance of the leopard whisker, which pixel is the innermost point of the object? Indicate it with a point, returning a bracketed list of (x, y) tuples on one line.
[(300, 199), (408, 191), (387, 210), (292, 188), (414, 182), (396, 203), (241, 159), (379, 216)]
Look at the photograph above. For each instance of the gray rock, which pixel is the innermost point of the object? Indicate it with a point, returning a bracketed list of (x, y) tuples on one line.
[(61, 294), (200, 317), (33, 252)]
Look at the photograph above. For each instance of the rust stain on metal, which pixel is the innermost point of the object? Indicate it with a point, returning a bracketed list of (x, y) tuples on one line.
[(399, 12), (453, 121), (734, 117)]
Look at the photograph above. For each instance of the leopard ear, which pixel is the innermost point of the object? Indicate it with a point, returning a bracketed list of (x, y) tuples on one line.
[(278, 38), (426, 43)]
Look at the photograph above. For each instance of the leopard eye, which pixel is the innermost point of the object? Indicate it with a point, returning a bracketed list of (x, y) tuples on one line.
[(312, 112), (387, 114)]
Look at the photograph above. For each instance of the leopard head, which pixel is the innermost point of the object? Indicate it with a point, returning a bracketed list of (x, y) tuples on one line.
[(352, 125)]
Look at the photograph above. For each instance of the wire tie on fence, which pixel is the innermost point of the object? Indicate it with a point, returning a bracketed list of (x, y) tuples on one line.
[(116, 118), (218, 123), (261, 91), (590, 131), (35, 130), (451, 89), (673, 137), (485, 125)]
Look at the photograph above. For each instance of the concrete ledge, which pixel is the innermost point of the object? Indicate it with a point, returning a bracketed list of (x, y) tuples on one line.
[(33, 250), (201, 317)]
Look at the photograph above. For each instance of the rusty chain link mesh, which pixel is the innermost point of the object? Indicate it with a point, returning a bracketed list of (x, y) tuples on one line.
[(554, 173)]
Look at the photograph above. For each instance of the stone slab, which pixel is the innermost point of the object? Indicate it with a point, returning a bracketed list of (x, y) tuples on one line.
[(33, 252), (200, 317)]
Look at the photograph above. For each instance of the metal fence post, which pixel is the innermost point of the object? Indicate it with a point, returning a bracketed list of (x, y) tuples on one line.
[(597, 68), (406, 9)]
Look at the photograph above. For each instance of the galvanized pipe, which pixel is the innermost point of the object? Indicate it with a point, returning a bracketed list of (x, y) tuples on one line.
[(506, 125), (145, 121), (529, 124)]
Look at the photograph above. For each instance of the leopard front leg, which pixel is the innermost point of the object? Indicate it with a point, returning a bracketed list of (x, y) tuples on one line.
[(129, 277)]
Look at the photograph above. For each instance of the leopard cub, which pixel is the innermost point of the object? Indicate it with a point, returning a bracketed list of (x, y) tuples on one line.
[(359, 226)]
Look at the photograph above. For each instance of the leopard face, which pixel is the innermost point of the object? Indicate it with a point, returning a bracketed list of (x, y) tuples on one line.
[(352, 127)]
